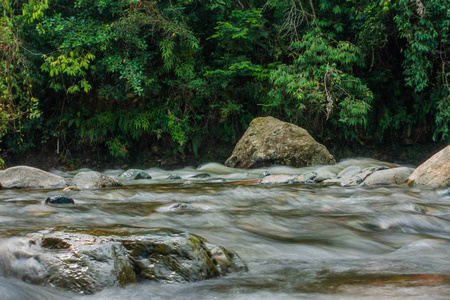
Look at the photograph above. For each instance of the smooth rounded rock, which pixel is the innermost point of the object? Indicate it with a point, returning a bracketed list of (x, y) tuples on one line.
[(23, 177), (387, 177), (93, 179)]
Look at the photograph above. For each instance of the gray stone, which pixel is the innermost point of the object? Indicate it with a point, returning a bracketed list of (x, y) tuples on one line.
[(135, 174), (277, 179), (23, 177), (307, 177), (269, 141), (87, 262), (350, 171), (387, 177), (323, 175), (93, 179), (174, 177)]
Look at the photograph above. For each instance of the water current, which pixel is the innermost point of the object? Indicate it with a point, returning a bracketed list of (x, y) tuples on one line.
[(300, 241)]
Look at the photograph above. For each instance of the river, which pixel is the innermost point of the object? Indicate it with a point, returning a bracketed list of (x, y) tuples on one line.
[(300, 241)]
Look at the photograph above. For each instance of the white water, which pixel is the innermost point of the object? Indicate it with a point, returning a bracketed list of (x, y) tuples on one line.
[(299, 241)]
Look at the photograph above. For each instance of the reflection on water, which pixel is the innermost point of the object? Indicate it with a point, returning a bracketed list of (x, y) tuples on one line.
[(299, 241)]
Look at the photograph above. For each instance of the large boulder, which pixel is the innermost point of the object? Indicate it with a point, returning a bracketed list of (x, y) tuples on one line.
[(269, 141), (93, 179), (23, 177), (88, 261), (434, 172)]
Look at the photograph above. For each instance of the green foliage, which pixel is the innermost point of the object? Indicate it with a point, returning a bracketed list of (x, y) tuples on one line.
[(113, 74), (320, 82)]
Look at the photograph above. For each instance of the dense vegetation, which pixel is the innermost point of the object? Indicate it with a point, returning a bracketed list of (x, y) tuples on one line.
[(117, 75)]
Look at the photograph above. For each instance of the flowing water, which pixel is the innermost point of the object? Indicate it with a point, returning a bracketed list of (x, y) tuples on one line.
[(299, 241)]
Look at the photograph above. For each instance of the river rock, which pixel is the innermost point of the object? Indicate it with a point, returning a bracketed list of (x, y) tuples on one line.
[(277, 179), (269, 141), (434, 172), (201, 175), (174, 177), (93, 179), (348, 172), (23, 177), (307, 177), (86, 262), (135, 174), (58, 199), (388, 176)]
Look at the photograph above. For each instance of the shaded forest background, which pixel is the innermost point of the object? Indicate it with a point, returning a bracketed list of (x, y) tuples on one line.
[(121, 79)]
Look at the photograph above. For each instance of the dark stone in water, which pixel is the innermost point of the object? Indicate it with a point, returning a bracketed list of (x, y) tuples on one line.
[(173, 177), (59, 200), (201, 175)]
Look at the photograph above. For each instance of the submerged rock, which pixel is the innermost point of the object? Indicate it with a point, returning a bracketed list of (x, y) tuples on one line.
[(58, 199), (135, 174), (269, 141), (92, 179), (434, 172), (174, 177), (264, 174), (86, 262), (277, 179), (201, 175), (23, 177)]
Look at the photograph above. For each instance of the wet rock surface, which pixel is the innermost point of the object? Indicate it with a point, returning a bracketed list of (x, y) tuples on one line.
[(89, 261), (23, 177), (269, 141), (58, 199), (135, 174), (434, 172), (93, 179), (389, 176)]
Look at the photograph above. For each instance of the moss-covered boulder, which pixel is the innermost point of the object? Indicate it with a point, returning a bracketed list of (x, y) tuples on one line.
[(23, 177), (93, 179), (269, 141), (434, 172), (88, 261)]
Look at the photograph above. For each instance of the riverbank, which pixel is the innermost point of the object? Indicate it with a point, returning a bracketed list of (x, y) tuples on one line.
[(47, 158)]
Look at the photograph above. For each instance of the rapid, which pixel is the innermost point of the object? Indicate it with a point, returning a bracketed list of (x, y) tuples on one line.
[(300, 241)]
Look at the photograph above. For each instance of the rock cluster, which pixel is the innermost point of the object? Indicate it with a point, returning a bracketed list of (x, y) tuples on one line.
[(350, 176)]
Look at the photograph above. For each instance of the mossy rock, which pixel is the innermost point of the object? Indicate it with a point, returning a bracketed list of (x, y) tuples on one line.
[(86, 261)]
